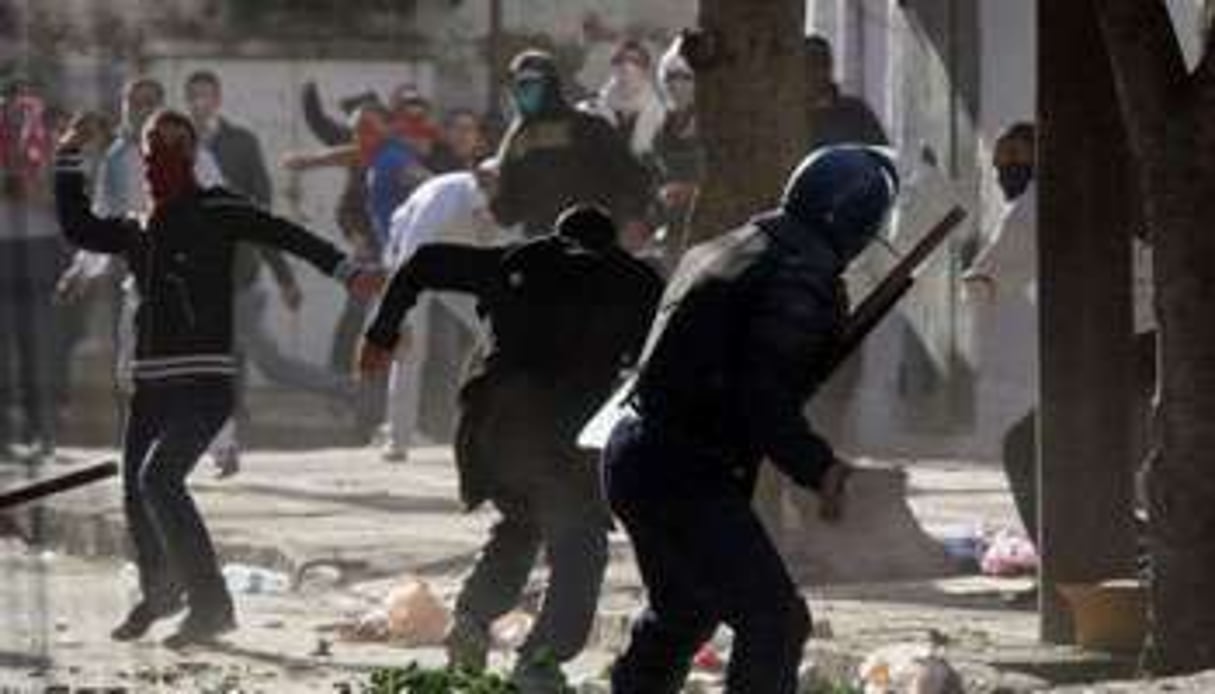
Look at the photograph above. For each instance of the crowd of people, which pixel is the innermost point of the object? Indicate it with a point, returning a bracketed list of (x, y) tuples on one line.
[(413, 175), (553, 250)]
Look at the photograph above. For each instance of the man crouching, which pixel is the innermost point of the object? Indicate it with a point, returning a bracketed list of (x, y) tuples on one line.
[(743, 338)]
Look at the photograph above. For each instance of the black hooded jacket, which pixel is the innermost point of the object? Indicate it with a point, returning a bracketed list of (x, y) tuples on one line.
[(183, 260), (562, 317)]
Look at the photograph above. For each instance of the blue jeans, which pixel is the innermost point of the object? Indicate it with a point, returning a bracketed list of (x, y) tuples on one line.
[(169, 427), (705, 559)]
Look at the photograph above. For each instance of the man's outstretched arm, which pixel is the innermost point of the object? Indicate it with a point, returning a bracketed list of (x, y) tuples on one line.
[(435, 267)]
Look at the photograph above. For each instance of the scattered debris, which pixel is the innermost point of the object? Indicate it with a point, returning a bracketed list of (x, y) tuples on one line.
[(323, 649), (416, 616), (511, 630), (1009, 554), (328, 573), (254, 580), (371, 626), (1110, 615), (411, 615), (909, 668)]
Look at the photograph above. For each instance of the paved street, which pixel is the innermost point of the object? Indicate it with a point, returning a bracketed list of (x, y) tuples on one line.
[(380, 523)]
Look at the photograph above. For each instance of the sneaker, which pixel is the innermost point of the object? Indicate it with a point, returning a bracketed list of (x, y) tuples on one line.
[(142, 617), (202, 627), (467, 646)]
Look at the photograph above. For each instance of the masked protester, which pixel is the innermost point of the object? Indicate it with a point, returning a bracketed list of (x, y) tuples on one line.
[(181, 256), (412, 122), (119, 190), (1001, 284), (554, 156), (747, 326), (566, 312), (353, 220)]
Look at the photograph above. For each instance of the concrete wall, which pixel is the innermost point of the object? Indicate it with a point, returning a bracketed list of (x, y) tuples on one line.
[(955, 95)]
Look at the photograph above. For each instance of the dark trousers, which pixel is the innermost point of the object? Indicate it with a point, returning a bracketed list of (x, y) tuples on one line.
[(548, 494), (1020, 457), (169, 427), (705, 559), (28, 336)]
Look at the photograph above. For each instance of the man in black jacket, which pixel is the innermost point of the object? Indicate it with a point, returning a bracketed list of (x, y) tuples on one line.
[(746, 327), (554, 156), (181, 257), (567, 312)]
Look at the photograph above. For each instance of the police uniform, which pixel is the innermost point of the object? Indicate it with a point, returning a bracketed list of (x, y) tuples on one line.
[(745, 332)]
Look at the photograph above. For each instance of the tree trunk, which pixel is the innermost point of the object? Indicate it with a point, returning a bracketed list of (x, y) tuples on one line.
[(752, 108), (1086, 530), (1171, 120)]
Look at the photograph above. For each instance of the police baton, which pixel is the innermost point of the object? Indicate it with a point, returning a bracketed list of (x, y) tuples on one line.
[(878, 302)]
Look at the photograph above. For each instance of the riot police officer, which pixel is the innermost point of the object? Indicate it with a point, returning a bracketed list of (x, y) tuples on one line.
[(740, 343)]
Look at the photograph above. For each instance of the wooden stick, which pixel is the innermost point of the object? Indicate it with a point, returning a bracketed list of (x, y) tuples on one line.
[(59, 483)]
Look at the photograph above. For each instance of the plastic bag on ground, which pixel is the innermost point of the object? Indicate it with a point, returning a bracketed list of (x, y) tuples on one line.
[(254, 580), (416, 616), (1009, 554)]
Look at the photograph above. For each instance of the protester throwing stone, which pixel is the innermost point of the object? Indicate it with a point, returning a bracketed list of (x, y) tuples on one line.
[(567, 311), (181, 253)]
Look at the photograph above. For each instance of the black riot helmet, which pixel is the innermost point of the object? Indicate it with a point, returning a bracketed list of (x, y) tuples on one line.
[(846, 191)]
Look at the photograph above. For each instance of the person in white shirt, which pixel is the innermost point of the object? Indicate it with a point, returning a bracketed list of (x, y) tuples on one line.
[(452, 208), (1002, 283)]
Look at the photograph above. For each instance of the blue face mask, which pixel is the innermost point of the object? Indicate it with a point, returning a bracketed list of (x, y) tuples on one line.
[(529, 97), (1014, 179)]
